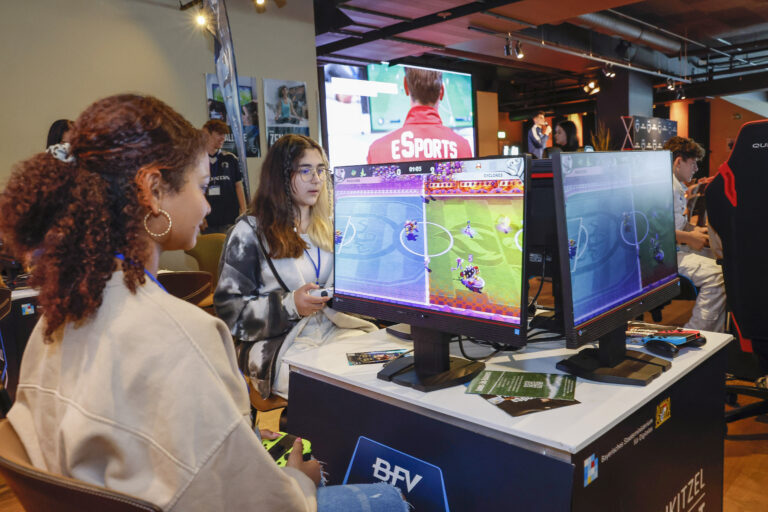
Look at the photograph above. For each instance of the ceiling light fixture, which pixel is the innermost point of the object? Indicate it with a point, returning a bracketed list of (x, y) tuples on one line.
[(200, 19), (508, 45), (591, 87), (670, 84), (519, 50), (608, 71)]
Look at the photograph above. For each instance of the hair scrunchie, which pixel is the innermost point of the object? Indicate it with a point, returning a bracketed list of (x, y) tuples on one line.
[(61, 151)]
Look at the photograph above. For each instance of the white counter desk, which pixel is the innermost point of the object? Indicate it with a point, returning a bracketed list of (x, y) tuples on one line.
[(537, 460)]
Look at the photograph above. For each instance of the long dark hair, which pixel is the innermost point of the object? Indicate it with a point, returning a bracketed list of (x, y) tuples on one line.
[(73, 217), (273, 205), (571, 138)]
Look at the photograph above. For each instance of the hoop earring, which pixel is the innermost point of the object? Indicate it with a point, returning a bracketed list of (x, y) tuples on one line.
[(167, 230)]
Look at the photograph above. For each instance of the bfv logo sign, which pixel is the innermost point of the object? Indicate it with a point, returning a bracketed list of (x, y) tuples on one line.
[(421, 482), (382, 471)]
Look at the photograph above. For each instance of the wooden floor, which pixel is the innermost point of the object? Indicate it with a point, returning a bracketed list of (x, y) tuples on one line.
[(746, 448)]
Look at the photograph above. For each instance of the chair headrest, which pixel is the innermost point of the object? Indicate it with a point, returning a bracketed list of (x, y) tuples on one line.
[(750, 151)]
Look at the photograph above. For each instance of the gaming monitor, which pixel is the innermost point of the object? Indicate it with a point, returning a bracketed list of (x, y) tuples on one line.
[(616, 243), (438, 245)]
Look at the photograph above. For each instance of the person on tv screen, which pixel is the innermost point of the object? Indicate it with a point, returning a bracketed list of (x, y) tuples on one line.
[(538, 135), (273, 258), (225, 193), (422, 136), (705, 273), (123, 385)]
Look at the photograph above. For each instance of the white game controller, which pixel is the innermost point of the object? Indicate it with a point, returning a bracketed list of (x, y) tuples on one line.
[(321, 292)]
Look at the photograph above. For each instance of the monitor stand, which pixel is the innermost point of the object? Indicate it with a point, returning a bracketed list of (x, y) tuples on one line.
[(613, 363), (431, 367)]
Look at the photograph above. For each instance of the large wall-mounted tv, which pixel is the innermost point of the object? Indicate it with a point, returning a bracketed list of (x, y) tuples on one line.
[(369, 115)]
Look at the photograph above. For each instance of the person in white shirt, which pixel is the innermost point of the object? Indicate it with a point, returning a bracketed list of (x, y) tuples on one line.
[(705, 273), (123, 385)]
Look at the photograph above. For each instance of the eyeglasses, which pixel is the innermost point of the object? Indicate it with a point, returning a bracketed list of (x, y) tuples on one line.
[(307, 173)]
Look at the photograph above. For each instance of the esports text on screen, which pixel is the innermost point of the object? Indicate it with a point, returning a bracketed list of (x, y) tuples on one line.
[(435, 244)]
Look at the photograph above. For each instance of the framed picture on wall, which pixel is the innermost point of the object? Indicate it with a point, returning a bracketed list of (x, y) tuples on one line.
[(249, 106), (285, 108)]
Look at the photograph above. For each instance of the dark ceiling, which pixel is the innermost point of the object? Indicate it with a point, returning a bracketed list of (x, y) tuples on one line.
[(708, 47)]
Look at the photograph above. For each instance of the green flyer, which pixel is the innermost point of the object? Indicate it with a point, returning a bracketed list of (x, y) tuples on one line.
[(535, 385)]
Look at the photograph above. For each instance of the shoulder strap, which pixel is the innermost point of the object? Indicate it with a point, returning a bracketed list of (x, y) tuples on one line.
[(265, 255)]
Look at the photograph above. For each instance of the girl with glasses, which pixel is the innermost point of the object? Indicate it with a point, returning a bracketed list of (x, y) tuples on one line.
[(273, 257)]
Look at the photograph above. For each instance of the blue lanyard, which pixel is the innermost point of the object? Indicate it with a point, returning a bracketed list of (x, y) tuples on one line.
[(316, 267), (153, 278)]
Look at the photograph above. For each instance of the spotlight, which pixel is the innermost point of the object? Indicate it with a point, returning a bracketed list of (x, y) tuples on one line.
[(591, 87), (200, 19), (679, 92), (508, 46), (519, 50), (670, 84), (260, 5), (608, 71)]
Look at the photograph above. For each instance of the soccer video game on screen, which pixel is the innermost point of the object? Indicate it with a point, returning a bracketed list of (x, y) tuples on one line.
[(621, 239), (444, 236)]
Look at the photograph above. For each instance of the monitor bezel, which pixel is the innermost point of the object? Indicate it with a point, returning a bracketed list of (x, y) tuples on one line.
[(479, 328), (594, 328)]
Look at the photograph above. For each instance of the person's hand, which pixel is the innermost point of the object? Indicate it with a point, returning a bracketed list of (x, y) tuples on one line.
[(268, 434), (547, 130), (307, 304), (698, 238), (311, 468)]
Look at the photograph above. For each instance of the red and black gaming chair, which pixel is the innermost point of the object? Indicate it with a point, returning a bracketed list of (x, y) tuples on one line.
[(736, 206)]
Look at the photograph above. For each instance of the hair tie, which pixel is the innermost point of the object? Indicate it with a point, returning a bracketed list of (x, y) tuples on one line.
[(61, 151)]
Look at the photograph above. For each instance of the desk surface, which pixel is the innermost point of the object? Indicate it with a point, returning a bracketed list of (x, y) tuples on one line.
[(556, 432)]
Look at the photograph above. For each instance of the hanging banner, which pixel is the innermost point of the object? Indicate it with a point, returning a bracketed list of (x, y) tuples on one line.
[(226, 72), (285, 108), (247, 90)]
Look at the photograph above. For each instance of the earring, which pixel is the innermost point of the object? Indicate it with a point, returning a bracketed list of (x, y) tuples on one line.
[(167, 230)]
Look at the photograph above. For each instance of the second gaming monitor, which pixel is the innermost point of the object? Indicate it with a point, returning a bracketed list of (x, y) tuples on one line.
[(616, 237)]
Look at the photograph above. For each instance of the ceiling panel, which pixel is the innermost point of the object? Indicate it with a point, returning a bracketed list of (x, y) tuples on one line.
[(539, 12), (408, 9), (706, 19)]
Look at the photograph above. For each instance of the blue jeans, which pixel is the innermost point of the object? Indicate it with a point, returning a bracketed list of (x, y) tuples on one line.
[(360, 498)]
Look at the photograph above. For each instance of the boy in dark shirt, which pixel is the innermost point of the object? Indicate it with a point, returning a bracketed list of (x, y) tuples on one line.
[(225, 192)]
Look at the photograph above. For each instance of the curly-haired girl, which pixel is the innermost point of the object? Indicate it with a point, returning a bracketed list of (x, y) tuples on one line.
[(122, 385)]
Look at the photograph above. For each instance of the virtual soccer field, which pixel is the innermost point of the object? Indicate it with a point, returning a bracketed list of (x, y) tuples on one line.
[(379, 255), (493, 244), (620, 243), (372, 254)]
